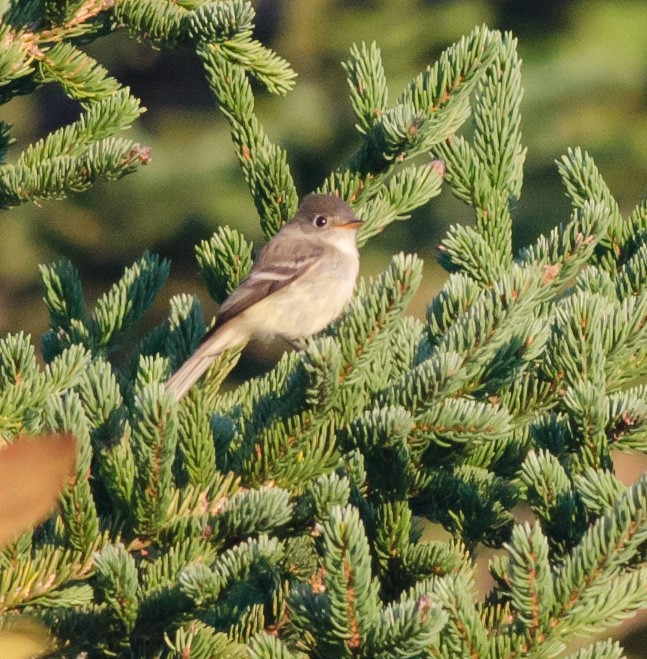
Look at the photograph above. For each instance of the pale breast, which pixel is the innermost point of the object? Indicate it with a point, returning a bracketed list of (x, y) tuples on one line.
[(309, 304)]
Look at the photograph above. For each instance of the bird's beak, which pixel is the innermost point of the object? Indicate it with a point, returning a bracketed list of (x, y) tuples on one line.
[(354, 223)]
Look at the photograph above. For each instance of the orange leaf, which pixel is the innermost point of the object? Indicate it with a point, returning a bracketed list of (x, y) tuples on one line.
[(33, 471)]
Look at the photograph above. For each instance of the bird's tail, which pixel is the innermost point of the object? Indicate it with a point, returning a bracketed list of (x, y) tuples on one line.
[(189, 373)]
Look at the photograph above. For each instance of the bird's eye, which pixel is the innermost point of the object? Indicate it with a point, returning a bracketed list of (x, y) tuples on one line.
[(321, 221)]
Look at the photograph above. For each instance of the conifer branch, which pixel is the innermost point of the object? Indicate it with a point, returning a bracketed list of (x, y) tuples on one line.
[(279, 518), (264, 164)]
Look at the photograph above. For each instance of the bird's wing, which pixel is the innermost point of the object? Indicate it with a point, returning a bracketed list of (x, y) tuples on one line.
[(278, 265)]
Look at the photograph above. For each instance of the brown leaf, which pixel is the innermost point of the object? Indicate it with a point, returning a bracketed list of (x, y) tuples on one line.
[(24, 639), (33, 470)]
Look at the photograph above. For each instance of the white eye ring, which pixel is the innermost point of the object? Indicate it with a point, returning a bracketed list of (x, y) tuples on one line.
[(321, 221)]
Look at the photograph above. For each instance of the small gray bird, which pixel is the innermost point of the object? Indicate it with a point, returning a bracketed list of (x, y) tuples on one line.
[(300, 283)]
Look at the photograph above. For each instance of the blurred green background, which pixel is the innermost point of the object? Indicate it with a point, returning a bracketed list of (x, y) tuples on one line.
[(585, 80)]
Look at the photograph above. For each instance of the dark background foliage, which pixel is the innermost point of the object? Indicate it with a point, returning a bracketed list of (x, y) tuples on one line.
[(584, 75)]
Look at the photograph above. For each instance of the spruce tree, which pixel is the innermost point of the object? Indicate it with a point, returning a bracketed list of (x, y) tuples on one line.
[(283, 518)]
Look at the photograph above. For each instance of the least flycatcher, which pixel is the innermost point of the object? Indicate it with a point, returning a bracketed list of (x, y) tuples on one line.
[(300, 283)]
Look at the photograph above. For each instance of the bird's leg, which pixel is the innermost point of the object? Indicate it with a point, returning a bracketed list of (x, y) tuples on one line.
[(297, 344)]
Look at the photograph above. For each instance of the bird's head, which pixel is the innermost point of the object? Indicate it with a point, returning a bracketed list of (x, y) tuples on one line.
[(328, 216)]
